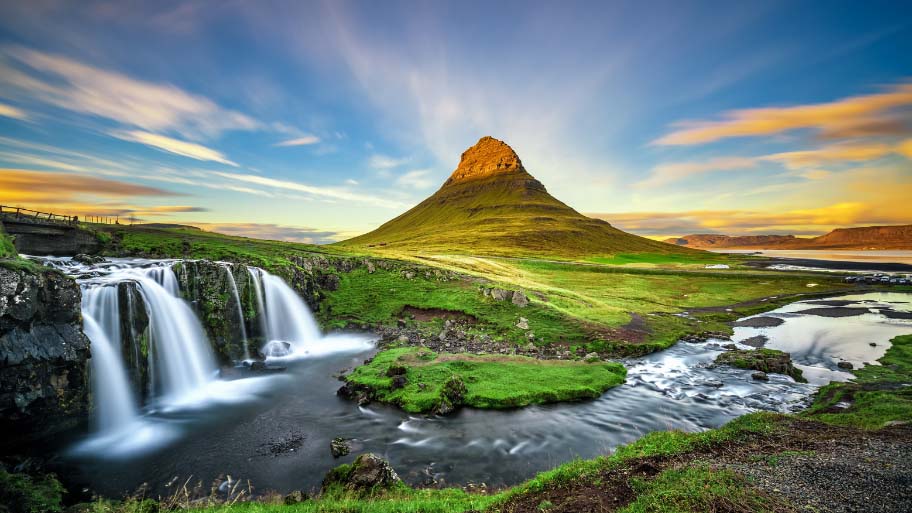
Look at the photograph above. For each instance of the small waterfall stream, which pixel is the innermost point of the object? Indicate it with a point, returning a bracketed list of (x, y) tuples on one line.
[(240, 310), (290, 327)]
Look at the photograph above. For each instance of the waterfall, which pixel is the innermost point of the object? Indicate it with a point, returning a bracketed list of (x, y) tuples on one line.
[(240, 310), (181, 354), (255, 274), (115, 406), (288, 324)]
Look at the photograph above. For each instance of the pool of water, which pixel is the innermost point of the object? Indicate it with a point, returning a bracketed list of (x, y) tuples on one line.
[(275, 430)]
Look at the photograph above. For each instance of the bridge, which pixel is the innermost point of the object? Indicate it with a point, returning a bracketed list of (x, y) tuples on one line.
[(47, 233)]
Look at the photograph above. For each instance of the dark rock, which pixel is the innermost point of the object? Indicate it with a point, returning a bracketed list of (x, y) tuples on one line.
[(729, 346), (759, 322), (755, 341), (760, 376), (396, 370), (295, 497), (845, 365), (339, 447), (367, 473), (398, 382), (44, 356), (873, 344), (764, 360), (82, 258)]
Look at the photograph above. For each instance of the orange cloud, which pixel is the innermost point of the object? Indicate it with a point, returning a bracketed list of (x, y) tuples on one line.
[(852, 114), (77, 194), (832, 154)]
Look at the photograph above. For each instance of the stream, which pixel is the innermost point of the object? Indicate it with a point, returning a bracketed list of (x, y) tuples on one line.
[(274, 429)]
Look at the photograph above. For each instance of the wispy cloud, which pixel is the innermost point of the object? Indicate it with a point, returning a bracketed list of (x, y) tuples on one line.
[(848, 115), (417, 179), (665, 174), (12, 112), (27, 183), (74, 86), (300, 141), (833, 154), (170, 145), (386, 162), (326, 193)]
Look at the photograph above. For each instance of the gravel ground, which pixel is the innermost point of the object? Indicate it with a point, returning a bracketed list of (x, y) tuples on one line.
[(858, 474)]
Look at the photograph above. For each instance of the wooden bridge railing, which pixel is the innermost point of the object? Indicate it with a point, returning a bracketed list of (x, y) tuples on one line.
[(29, 215)]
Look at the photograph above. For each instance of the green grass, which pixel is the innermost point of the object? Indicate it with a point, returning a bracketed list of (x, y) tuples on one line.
[(199, 244), (655, 259), (7, 250), (490, 381), (878, 395), (697, 489), (21, 493)]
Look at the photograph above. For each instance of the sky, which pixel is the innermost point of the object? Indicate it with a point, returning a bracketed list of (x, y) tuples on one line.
[(318, 121)]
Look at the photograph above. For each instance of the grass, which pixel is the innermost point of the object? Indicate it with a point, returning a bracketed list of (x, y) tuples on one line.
[(489, 381), (21, 493), (878, 395), (7, 250), (697, 489), (188, 242)]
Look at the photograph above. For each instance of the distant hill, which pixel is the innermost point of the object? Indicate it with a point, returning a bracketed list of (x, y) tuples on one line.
[(868, 237), (491, 205)]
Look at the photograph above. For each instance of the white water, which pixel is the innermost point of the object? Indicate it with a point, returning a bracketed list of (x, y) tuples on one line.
[(240, 310), (254, 274), (287, 319), (113, 394), (181, 355)]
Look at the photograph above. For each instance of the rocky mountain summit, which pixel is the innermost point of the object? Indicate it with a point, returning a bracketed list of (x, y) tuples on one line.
[(487, 158)]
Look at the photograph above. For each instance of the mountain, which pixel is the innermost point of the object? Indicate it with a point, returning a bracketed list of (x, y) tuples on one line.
[(711, 240), (491, 205), (867, 237)]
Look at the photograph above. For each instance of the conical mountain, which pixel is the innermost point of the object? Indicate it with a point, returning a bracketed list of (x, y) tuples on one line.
[(491, 205)]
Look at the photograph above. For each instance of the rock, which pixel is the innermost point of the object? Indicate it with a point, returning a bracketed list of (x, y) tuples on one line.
[(367, 473), (501, 294), (591, 357), (398, 382), (403, 339), (396, 370), (714, 383), (295, 497), (82, 258), (523, 323), (339, 447), (760, 376), (764, 360), (845, 365), (755, 341), (44, 356), (328, 281), (873, 344), (520, 299), (729, 346)]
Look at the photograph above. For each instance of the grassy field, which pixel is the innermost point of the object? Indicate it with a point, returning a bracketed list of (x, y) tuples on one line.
[(7, 250), (486, 381)]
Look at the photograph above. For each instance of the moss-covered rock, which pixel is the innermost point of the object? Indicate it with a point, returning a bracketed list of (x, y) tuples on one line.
[(764, 360)]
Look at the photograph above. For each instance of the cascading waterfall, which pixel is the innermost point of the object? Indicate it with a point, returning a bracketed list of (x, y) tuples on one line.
[(255, 274), (240, 310), (181, 353), (115, 405), (290, 327)]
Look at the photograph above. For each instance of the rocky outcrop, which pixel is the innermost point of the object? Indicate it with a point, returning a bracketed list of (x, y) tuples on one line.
[(763, 360), (368, 473), (43, 355)]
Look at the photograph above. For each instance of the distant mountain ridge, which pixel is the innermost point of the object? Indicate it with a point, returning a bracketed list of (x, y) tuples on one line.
[(491, 205), (897, 237)]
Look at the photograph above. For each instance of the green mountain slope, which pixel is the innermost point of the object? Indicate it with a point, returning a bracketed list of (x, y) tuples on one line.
[(491, 205)]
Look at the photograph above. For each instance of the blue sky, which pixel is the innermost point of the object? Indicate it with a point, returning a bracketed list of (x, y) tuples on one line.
[(317, 121)]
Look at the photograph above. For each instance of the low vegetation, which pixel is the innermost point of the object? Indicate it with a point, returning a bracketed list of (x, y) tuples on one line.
[(879, 394), (418, 380)]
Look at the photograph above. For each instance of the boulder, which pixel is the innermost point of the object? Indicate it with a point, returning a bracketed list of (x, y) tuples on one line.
[(295, 497), (845, 365), (367, 473), (44, 356), (339, 447), (82, 258), (520, 299), (760, 376), (764, 360), (523, 323)]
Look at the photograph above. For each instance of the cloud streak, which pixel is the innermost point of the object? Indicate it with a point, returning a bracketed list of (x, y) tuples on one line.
[(107, 94), (300, 141), (271, 231), (665, 174), (854, 114), (326, 193), (9, 111), (175, 146)]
